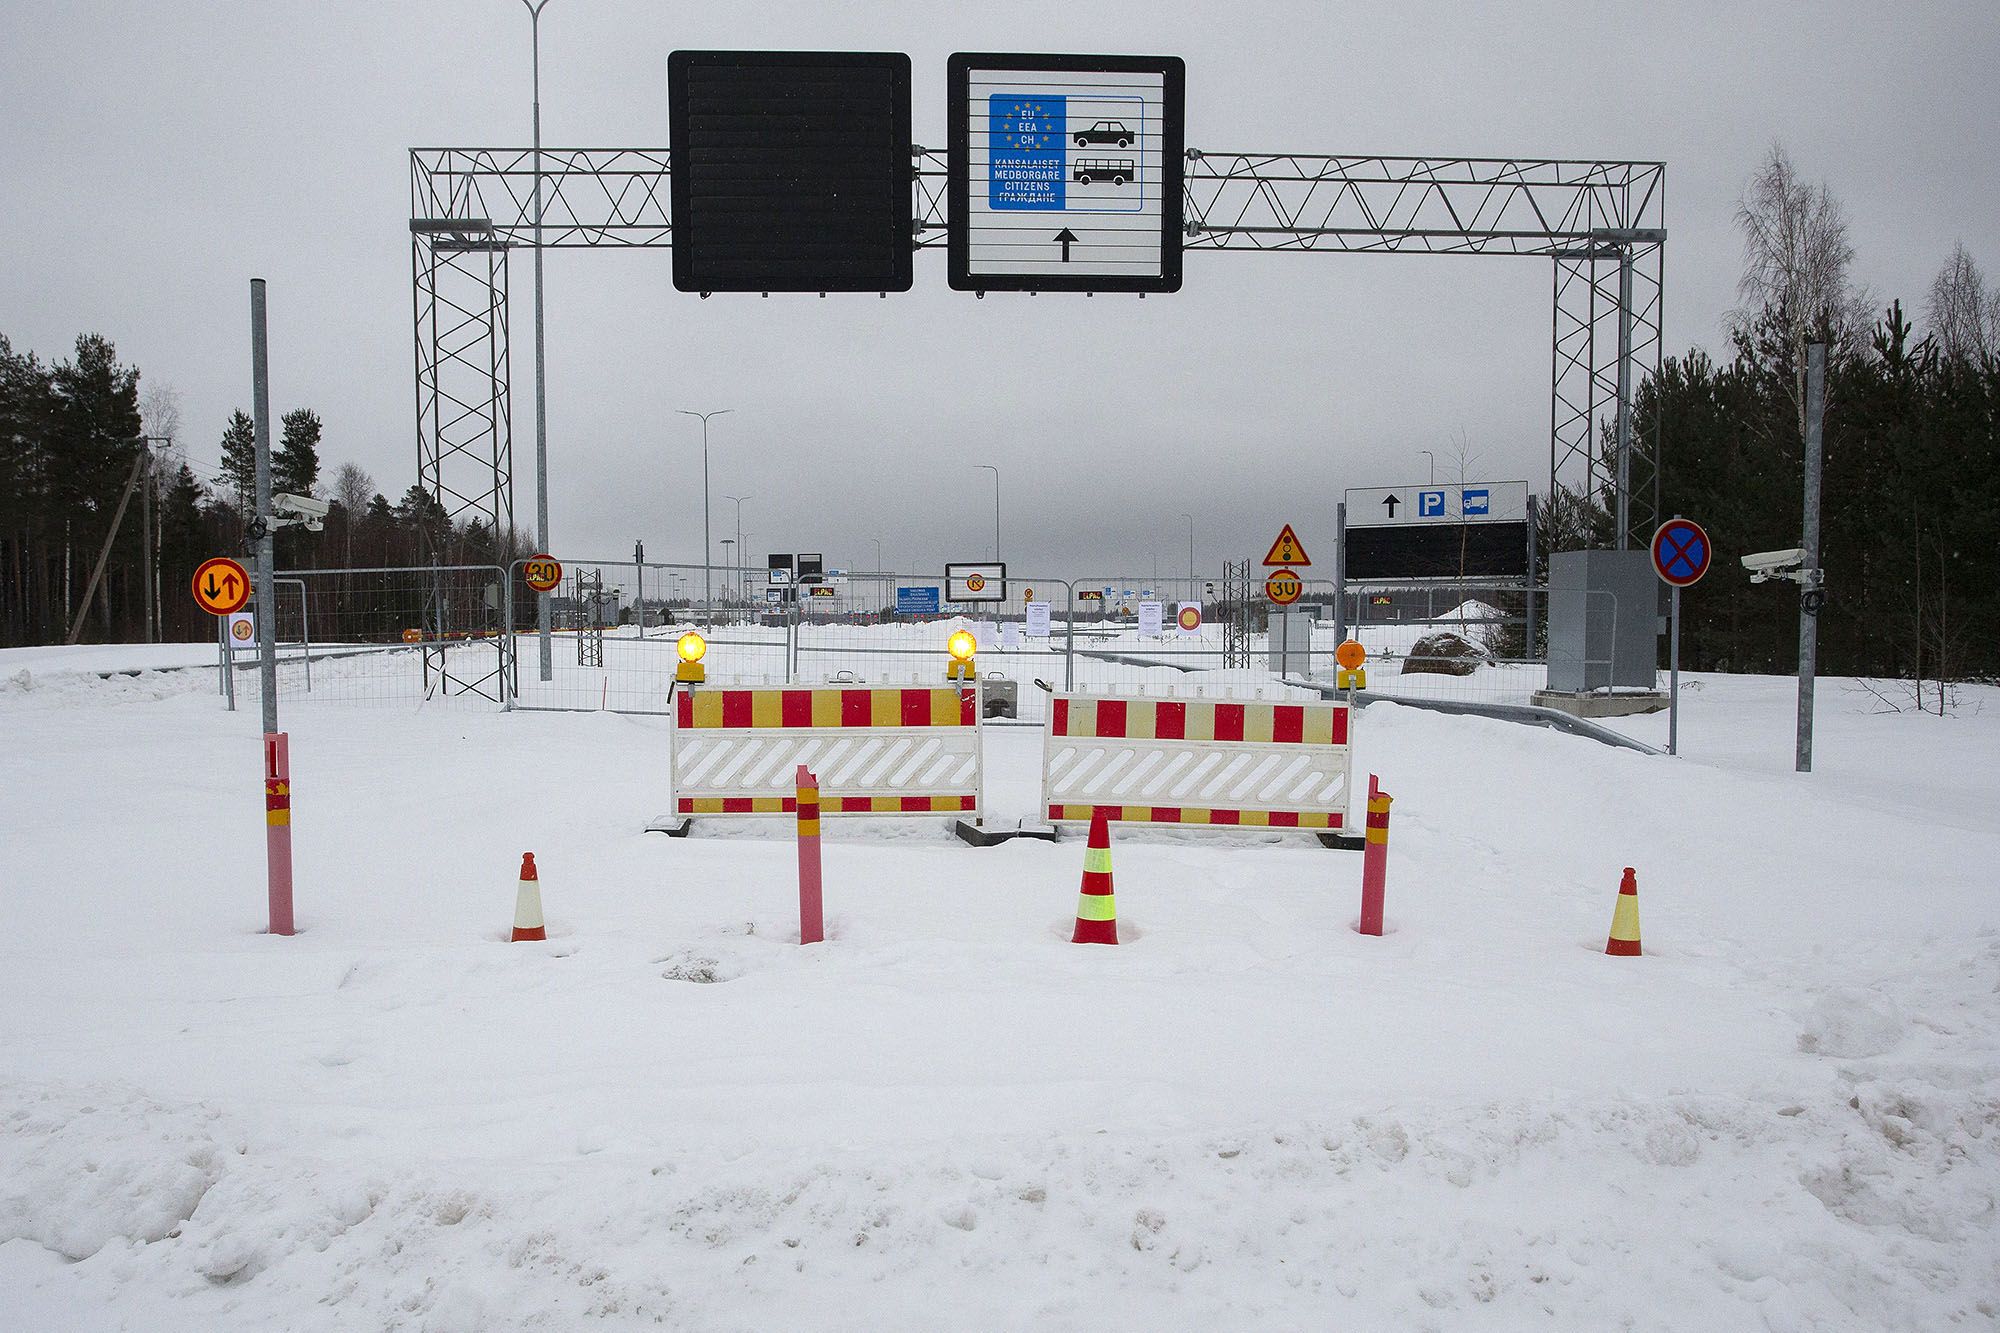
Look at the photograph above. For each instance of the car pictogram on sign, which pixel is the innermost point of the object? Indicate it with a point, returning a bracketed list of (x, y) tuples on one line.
[(1104, 131)]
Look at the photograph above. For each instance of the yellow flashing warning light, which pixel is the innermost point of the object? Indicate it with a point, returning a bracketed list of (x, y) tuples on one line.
[(961, 646), (691, 647), (1352, 657)]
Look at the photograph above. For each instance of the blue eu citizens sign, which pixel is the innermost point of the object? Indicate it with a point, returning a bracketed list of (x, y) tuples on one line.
[(1026, 147)]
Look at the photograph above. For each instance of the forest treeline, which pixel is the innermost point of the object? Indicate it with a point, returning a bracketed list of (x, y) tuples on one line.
[(79, 438), (1910, 454), (1910, 490)]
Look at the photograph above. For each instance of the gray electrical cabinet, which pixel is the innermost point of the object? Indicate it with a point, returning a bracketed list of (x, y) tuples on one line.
[(1291, 635), (1604, 621)]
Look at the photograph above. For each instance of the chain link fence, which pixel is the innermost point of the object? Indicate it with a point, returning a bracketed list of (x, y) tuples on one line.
[(465, 636)]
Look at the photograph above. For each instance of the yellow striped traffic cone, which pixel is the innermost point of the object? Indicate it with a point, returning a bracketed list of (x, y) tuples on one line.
[(1096, 909), (1624, 940), (528, 904)]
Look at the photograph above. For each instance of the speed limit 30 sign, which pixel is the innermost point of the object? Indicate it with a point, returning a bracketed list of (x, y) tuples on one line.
[(543, 572)]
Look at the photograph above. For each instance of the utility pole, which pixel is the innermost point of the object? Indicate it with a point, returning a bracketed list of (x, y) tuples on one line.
[(707, 582), (1810, 594), (544, 607)]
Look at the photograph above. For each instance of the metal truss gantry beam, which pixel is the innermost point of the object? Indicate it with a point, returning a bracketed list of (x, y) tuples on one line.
[(1601, 224)]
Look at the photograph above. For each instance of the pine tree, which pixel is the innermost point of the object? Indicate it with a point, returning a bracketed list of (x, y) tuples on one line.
[(239, 460), (295, 467)]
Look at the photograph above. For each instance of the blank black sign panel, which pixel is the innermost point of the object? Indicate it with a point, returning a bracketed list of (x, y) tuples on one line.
[(791, 171), (1437, 551)]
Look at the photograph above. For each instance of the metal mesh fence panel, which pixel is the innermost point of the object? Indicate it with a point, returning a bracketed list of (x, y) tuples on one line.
[(430, 635)]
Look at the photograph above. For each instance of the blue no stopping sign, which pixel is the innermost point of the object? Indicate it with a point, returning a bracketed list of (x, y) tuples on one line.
[(1681, 552)]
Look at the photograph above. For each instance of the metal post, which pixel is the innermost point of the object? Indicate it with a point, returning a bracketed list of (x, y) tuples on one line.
[(1809, 575), (306, 631), (1534, 556), (1340, 571), (1674, 679), (639, 597), (267, 601), (1624, 519), (707, 582), (1069, 638), (146, 544), (544, 610)]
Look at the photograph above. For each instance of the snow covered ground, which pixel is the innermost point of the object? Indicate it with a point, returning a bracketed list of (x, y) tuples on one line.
[(1786, 1115)]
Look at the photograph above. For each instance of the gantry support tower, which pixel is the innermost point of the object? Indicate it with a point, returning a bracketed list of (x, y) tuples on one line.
[(1601, 225)]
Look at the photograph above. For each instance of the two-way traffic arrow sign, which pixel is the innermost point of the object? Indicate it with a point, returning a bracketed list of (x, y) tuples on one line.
[(221, 586)]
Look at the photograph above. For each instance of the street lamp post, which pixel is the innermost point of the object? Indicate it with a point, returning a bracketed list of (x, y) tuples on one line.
[(1432, 458), (736, 574), (1191, 584), (996, 506), (543, 606), (707, 583)]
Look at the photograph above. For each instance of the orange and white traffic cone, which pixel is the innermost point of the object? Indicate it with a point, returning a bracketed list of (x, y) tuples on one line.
[(528, 904), (1096, 909), (1624, 940)]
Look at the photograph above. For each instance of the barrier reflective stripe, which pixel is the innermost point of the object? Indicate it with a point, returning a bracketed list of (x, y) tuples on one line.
[(838, 805), (1096, 907), (1378, 819), (277, 802), (1157, 814), (759, 709)]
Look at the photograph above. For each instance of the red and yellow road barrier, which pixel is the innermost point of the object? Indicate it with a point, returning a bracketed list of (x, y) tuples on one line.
[(912, 750), (1196, 762)]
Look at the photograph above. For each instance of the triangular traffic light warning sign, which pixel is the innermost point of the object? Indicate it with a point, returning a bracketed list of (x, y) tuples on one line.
[(1287, 550)]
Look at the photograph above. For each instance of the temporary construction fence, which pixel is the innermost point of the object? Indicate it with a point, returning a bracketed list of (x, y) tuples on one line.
[(914, 750), (1196, 762), (465, 636), (424, 634)]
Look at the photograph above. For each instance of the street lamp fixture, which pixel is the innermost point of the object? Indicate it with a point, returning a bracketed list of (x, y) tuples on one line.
[(707, 583)]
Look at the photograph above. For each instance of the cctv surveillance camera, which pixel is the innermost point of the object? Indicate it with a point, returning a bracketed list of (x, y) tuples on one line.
[(301, 506), (1772, 564)]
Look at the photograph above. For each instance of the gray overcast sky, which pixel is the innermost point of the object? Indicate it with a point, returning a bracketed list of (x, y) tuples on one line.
[(156, 156)]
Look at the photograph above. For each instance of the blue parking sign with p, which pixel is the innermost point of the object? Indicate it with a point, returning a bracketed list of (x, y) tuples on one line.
[(1430, 504)]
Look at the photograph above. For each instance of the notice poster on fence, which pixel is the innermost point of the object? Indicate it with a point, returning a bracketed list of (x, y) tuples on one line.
[(1038, 620), (987, 632), (1010, 634), (1152, 620)]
